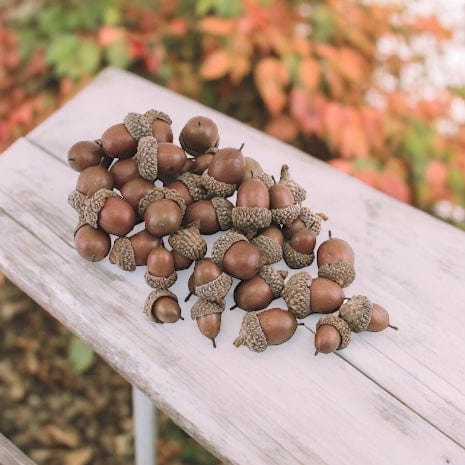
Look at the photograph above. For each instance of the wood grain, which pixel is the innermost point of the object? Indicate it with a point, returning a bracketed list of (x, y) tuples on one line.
[(11, 455), (395, 397)]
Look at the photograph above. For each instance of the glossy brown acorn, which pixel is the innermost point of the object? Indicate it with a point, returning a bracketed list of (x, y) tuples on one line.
[(123, 171), (327, 339), (162, 131), (274, 233), (253, 193), (163, 217), (93, 179), (171, 159), (204, 212), (253, 294), (166, 310), (143, 242), (134, 190), (303, 241), (205, 271), (280, 196), (198, 135), (228, 166), (242, 260), (116, 216), (201, 163), (326, 296), (84, 154), (252, 167), (209, 326), (92, 244), (182, 190), (118, 143), (334, 249), (379, 320), (160, 262)]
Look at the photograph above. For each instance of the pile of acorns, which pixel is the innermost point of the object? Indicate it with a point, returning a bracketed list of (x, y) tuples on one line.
[(135, 174)]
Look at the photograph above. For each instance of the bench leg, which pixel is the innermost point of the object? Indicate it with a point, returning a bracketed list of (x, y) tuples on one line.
[(145, 428)]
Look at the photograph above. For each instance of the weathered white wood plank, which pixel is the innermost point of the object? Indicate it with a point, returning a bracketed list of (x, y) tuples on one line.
[(11, 455), (406, 260), (283, 406)]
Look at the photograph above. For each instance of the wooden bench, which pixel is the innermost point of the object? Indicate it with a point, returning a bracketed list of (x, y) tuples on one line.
[(392, 398), (11, 455)]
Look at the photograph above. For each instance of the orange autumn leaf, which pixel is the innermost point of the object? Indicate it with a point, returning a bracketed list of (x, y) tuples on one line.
[(350, 64), (436, 179), (282, 127), (332, 117), (342, 165), (309, 73), (368, 176), (394, 186), (353, 140), (240, 67), (215, 65), (271, 76), (217, 26)]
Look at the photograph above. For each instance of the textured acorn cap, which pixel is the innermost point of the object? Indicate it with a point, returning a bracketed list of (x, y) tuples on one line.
[(285, 215), (357, 312), (152, 115), (137, 125), (340, 272), (216, 188), (311, 219), (296, 294), (77, 200), (193, 182), (251, 333), (147, 158), (223, 208), (270, 251), (189, 242), (152, 298), (206, 307), (122, 254), (265, 178), (158, 282), (250, 219), (295, 259), (215, 290), (159, 193), (274, 279), (222, 245), (297, 190), (341, 326), (94, 204)]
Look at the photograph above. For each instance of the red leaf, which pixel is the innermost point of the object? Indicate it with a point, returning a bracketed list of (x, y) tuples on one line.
[(217, 26)]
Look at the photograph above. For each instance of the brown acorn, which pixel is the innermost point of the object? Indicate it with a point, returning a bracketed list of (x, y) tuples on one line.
[(307, 219), (123, 171), (92, 244), (258, 292), (201, 163), (208, 317), (160, 273), (160, 124), (146, 158), (332, 333), (252, 169), (92, 179), (117, 142), (335, 259), (132, 251), (188, 244), (298, 192), (213, 215), (266, 327), (298, 252), (134, 190), (189, 187), (162, 217), (270, 243), (198, 135), (363, 315), (84, 154), (284, 210), (171, 160), (161, 306)]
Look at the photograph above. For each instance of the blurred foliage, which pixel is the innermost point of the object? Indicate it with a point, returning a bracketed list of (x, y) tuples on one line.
[(307, 72)]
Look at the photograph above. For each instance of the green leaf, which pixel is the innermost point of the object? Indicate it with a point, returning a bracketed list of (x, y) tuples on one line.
[(118, 54), (456, 181), (80, 356)]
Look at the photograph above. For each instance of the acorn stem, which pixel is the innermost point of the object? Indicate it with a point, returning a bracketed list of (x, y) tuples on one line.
[(323, 216), (181, 318), (316, 352), (241, 147), (233, 307), (214, 342), (330, 234), (393, 327), (188, 297), (274, 179)]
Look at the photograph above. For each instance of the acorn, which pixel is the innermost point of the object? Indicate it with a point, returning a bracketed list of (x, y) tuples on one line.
[(252, 207), (201, 163), (270, 243), (132, 251), (147, 158), (363, 315), (335, 259), (332, 333), (171, 160), (284, 210), (305, 295), (298, 192), (236, 255), (224, 172), (307, 219), (93, 179), (187, 243), (298, 252), (258, 292), (214, 215), (123, 171), (189, 187), (134, 190), (92, 244), (252, 168), (160, 124), (208, 317), (161, 306), (84, 154), (160, 273), (198, 135), (264, 328)]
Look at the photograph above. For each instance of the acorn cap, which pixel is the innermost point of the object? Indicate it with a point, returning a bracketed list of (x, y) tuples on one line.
[(158, 282), (223, 208), (193, 152), (250, 219), (137, 125), (311, 219), (94, 204), (340, 272), (357, 312), (296, 294), (297, 190), (193, 182), (215, 290), (152, 298), (342, 327), (159, 193), (147, 157), (217, 188), (295, 259), (285, 215), (270, 251), (152, 115), (251, 333), (274, 279), (122, 254), (188, 242), (265, 178), (77, 200), (222, 245), (206, 307)]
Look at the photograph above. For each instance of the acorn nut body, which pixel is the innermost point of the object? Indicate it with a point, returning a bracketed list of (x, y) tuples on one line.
[(198, 135), (84, 154), (92, 244), (332, 333)]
